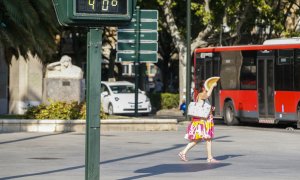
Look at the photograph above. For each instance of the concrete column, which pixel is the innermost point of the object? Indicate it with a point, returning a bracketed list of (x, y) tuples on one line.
[(3, 83), (25, 83)]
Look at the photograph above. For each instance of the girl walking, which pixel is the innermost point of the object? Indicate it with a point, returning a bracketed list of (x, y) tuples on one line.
[(201, 129)]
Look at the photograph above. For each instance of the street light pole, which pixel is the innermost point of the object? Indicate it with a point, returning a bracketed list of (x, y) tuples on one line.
[(188, 56), (92, 141), (221, 33), (137, 60)]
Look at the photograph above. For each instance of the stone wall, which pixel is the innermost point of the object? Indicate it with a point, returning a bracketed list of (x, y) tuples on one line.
[(3, 83), (61, 89), (25, 83), (33, 125)]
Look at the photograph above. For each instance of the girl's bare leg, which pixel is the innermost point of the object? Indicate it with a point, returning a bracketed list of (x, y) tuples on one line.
[(182, 154), (208, 149), (189, 146), (210, 157)]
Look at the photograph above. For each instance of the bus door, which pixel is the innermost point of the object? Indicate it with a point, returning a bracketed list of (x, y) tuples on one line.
[(206, 66), (265, 86), (212, 68)]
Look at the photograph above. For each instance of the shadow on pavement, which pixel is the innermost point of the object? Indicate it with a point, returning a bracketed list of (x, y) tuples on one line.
[(42, 173), (222, 158), (143, 154), (30, 138), (82, 166), (175, 168), (151, 171)]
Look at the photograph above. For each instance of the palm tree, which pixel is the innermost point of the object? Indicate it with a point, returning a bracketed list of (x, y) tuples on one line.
[(28, 26)]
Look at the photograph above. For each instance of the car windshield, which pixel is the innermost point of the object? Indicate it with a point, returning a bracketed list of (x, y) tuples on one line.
[(116, 89)]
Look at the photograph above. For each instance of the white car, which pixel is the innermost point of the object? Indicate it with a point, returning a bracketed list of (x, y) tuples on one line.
[(119, 98)]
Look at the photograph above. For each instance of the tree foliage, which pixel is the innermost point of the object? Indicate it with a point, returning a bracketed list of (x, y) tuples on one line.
[(28, 26), (223, 22), (246, 21)]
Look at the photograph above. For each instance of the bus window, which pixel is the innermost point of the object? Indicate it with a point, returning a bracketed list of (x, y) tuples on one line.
[(230, 69), (206, 66), (199, 69), (297, 72), (203, 67), (248, 70), (216, 64), (284, 70)]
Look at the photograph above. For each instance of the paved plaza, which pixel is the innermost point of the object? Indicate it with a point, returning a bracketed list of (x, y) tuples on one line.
[(245, 153)]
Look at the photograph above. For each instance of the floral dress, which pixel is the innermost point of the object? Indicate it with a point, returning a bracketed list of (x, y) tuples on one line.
[(200, 129)]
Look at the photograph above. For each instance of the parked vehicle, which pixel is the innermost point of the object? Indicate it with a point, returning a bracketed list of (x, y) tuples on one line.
[(119, 98), (259, 83)]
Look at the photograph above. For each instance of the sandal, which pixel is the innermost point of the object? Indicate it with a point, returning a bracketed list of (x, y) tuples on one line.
[(212, 160), (183, 157)]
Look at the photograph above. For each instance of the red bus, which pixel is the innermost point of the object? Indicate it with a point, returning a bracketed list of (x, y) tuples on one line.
[(259, 83)]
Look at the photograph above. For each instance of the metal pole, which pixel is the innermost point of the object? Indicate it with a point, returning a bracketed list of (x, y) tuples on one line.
[(92, 148), (188, 56), (221, 33), (137, 60)]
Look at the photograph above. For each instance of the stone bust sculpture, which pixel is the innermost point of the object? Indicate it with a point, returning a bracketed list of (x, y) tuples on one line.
[(64, 69)]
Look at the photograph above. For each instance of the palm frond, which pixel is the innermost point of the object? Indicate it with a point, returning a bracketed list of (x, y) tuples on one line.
[(30, 25)]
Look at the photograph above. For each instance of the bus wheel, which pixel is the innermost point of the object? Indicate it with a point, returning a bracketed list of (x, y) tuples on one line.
[(229, 117)]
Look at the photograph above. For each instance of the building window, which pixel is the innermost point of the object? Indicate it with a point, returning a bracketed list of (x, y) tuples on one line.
[(128, 69), (152, 70)]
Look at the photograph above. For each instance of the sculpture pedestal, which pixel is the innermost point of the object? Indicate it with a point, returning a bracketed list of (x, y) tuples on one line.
[(62, 89)]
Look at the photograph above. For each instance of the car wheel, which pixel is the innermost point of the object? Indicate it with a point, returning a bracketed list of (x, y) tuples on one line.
[(110, 109), (229, 112)]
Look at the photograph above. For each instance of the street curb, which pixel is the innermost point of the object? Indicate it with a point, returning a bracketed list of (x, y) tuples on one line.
[(166, 112), (56, 125)]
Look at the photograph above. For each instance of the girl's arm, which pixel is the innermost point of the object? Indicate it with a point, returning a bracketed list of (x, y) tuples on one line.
[(211, 89), (209, 92)]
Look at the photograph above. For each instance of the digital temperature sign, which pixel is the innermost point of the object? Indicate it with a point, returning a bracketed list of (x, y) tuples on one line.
[(113, 7), (93, 12)]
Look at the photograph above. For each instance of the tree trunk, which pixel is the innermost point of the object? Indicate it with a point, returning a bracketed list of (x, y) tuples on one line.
[(179, 44)]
